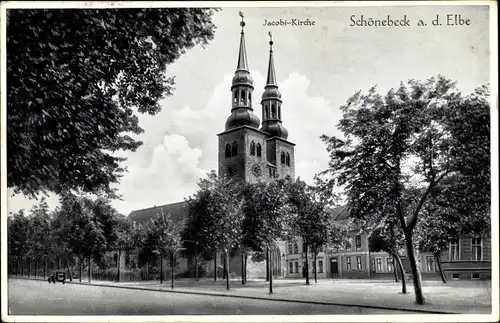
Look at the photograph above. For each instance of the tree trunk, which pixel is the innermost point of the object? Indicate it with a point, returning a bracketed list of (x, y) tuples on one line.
[(215, 265), (58, 263), (161, 269), (438, 260), (246, 258), (307, 267), (45, 267), (147, 270), (417, 283), (402, 271), (29, 268), (90, 269), (69, 272), (243, 268), (196, 278), (394, 268), (81, 269), (226, 268), (270, 271), (268, 267), (17, 270), (118, 266), (22, 270), (36, 267), (172, 266), (315, 269)]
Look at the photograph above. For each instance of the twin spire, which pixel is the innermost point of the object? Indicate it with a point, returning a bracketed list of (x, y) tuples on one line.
[(242, 88)]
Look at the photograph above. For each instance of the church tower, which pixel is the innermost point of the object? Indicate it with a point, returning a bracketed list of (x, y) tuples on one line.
[(247, 153)]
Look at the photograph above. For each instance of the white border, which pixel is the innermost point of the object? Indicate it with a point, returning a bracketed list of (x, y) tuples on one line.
[(251, 318)]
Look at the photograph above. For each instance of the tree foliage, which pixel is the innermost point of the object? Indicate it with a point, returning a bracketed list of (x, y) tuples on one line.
[(75, 79)]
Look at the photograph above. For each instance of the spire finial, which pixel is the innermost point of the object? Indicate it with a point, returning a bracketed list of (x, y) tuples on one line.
[(242, 23), (271, 41)]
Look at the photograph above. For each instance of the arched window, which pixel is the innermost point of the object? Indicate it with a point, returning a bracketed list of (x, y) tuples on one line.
[(283, 158), (252, 148), (273, 111), (267, 111), (279, 111), (259, 150), (243, 97), (228, 150), (250, 97), (235, 149), (295, 247), (287, 159), (235, 99)]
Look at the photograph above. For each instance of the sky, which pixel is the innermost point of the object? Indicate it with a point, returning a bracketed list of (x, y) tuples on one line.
[(318, 68)]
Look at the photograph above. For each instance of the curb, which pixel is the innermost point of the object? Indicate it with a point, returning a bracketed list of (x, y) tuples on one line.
[(427, 311)]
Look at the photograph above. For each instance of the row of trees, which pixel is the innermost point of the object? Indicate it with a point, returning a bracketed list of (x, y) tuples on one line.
[(414, 165)]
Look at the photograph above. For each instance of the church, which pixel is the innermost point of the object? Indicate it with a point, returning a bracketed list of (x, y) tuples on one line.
[(249, 151)]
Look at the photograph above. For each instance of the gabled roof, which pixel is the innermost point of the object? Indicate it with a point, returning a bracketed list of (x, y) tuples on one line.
[(178, 211), (340, 212)]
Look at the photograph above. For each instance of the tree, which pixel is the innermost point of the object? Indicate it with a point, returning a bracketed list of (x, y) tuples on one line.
[(75, 78), (17, 235), (221, 224), (406, 140), (81, 229), (389, 238), (266, 219), (310, 220), (452, 210), (39, 243), (123, 238), (166, 239)]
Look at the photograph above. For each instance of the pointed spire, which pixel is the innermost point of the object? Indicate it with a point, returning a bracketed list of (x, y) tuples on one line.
[(242, 56), (271, 75)]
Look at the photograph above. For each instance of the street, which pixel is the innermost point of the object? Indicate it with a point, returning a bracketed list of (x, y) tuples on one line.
[(29, 297)]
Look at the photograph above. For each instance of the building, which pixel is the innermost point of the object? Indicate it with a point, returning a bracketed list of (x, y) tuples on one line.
[(248, 150), (465, 258)]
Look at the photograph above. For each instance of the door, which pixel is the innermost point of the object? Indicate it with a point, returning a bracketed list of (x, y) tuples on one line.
[(334, 268)]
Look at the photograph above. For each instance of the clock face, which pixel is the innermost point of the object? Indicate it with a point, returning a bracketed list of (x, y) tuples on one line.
[(231, 170), (256, 170)]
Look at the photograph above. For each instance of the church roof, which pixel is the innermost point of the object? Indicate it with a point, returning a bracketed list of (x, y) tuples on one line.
[(178, 211), (340, 212)]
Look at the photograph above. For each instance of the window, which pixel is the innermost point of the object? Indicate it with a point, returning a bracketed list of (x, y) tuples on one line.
[(242, 99), (291, 267), (475, 276), (252, 148), (279, 111), (235, 99), (273, 111), (455, 276), (390, 265), (358, 242), (228, 150), (359, 266), (348, 244), (454, 249), (282, 158), (477, 253), (431, 267), (296, 267), (320, 265), (295, 247), (287, 159), (235, 149), (250, 97), (379, 265), (373, 265), (267, 111), (259, 150), (348, 263), (290, 248)]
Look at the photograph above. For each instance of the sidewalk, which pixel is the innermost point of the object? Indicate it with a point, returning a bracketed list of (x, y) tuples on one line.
[(456, 297)]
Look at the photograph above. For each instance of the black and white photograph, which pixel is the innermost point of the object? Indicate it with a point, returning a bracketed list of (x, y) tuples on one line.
[(249, 161)]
